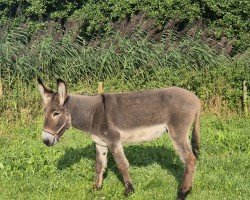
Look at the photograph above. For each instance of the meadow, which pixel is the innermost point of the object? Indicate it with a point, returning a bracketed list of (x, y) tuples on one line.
[(31, 170)]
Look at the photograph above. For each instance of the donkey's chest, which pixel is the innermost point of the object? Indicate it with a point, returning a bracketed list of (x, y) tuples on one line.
[(142, 134)]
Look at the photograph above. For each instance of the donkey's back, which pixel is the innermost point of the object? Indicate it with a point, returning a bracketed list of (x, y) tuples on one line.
[(168, 106)]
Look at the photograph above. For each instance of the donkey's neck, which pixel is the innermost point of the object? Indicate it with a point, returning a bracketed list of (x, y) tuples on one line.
[(83, 110)]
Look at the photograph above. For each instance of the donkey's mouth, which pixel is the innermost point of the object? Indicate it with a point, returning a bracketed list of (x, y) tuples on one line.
[(49, 139)]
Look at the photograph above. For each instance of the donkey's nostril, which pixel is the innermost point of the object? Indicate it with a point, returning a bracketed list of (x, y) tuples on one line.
[(47, 142), (48, 139)]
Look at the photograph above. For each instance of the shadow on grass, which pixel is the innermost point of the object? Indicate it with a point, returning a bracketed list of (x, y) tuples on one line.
[(140, 156)]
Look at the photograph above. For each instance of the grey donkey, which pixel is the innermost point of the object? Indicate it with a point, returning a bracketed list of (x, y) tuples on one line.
[(116, 119)]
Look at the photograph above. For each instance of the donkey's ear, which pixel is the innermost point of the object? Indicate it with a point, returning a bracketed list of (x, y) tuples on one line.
[(62, 91), (45, 92)]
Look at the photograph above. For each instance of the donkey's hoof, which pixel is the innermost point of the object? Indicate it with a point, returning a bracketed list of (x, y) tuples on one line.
[(129, 189), (97, 187), (182, 195)]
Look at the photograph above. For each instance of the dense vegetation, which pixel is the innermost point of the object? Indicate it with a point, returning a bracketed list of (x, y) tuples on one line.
[(124, 63), (224, 18), (118, 42)]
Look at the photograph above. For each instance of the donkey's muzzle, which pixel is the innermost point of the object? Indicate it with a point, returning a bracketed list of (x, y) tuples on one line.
[(47, 142), (48, 138)]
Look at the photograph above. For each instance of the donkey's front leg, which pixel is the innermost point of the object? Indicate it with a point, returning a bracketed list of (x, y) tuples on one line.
[(123, 165), (100, 165)]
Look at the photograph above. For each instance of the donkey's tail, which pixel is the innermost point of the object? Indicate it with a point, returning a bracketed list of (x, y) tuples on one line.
[(195, 140)]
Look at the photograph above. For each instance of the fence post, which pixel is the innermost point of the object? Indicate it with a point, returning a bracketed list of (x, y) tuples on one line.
[(1, 89), (245, 100), (100, 88)]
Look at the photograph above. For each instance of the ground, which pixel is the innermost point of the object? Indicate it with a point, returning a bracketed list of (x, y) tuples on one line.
[(30, 170)]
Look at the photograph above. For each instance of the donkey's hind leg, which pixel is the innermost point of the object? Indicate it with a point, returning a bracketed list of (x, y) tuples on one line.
[(183, 147)]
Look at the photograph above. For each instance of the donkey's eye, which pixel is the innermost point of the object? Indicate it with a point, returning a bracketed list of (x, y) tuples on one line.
[(56, 113)]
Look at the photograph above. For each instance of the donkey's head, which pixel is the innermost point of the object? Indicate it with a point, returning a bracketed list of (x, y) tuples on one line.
[(57, 118)]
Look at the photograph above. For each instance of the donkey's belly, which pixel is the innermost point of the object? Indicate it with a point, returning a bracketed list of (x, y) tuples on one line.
[(142, 134)]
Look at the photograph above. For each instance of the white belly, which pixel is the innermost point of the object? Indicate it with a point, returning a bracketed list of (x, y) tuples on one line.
[(142, 134)]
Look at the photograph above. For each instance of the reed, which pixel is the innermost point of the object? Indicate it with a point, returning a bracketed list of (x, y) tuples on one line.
[(133, 63)]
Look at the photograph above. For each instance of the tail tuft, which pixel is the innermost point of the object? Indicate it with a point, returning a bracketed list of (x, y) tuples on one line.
[(195, 140)]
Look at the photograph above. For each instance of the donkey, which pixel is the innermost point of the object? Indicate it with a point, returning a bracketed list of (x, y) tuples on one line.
[(115, 119)]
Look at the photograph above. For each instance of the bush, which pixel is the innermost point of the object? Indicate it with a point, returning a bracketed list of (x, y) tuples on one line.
[(226, 18)]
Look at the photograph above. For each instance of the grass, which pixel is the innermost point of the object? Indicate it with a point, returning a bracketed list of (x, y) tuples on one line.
[(30, 170)]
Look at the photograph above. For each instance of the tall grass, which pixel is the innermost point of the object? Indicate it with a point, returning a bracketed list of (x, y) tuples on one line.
[(122, 63)]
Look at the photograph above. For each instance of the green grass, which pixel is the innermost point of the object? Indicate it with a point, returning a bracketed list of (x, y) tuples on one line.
[(30, 170)]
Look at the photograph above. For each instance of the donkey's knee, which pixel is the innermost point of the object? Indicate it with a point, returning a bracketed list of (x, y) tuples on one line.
[(190, 160), (119, 156)]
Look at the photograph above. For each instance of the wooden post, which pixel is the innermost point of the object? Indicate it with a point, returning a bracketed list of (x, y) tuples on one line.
[(245, 100), (1, 89), (100, 88)]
